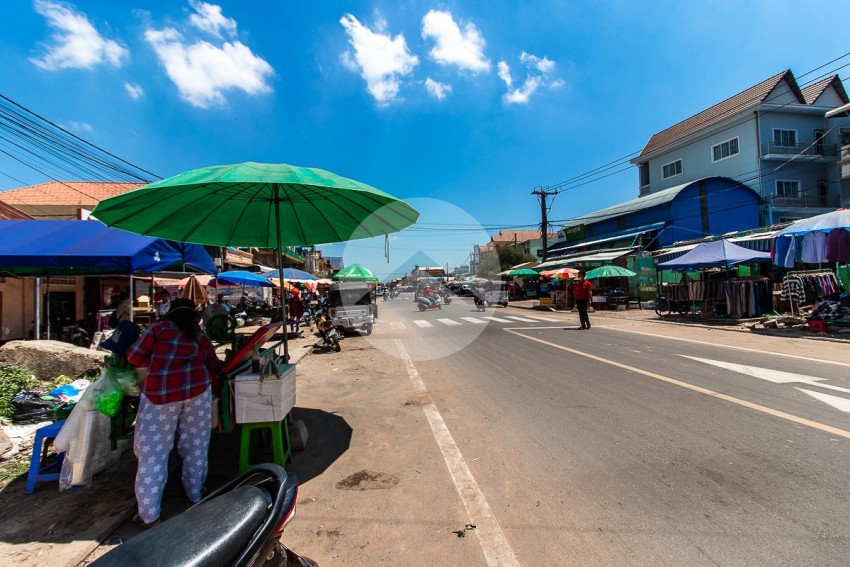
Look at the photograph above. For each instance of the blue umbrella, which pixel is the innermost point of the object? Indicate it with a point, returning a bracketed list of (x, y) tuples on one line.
[(291, 274), (244, 278)]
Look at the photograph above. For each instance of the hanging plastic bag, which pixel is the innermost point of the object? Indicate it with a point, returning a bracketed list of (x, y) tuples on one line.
[(110, 396), (126, 380)]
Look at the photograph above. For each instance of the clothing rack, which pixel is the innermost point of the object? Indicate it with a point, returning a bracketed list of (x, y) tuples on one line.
[(794, 286)]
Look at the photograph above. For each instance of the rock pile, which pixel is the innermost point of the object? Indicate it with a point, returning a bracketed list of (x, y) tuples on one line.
[(48, 359)]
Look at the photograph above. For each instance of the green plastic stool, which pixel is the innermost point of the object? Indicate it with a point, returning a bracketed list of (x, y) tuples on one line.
[(252, 445)]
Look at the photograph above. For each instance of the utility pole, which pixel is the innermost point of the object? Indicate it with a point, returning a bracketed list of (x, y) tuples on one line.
[(544, 225)]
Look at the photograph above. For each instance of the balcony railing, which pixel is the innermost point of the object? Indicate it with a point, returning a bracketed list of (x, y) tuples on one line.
[(809, 149), (817, 201)]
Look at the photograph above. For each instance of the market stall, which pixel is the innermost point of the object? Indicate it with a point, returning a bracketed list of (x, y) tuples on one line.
[(817, 251), (721, 294)]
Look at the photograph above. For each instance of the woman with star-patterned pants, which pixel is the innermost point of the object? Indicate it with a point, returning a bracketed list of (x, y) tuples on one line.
[(154, 439), (176, 399)]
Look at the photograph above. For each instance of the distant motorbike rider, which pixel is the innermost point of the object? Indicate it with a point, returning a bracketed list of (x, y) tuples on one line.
[(430, 294)]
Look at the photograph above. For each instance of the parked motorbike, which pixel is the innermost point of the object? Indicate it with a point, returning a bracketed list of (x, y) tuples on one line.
[(327, 332), (429, 302), (81, 334), (239, 524)]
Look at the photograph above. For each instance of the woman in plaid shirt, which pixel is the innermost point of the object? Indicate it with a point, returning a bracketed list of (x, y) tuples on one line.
[(176, 398)]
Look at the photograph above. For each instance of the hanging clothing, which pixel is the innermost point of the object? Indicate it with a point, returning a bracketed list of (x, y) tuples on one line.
[(791, 254), (814, 248), (838, 245)]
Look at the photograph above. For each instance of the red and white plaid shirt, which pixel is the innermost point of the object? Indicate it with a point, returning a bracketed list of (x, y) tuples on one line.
[(178, 369)]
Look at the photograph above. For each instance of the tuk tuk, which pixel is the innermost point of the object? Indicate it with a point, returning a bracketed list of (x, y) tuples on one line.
[(496, 293), (351, 305)]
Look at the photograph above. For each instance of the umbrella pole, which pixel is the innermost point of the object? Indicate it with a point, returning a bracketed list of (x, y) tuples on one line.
[(280, 273)]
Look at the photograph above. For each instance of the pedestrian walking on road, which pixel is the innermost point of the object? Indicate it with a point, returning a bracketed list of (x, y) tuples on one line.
[(582, 292), (176, 399)]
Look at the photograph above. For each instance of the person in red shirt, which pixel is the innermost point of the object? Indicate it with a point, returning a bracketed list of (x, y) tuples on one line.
[(176, 398), (429, 294), (582, 292)]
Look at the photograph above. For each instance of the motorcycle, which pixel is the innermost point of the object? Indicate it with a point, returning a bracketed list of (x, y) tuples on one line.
[(239, 524), (478, 298), (80, 334), (429, 302), (327, 332)]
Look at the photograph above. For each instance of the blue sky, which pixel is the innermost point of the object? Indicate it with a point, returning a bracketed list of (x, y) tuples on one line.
[(462, 108)]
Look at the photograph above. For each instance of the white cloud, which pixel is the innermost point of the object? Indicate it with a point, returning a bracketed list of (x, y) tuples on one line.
[(208, 18), (382, 60), (203, 71), (505, 73), (437, 90), (135, 91), (76, 42), (84, 127), (453, 46), (538, 75)]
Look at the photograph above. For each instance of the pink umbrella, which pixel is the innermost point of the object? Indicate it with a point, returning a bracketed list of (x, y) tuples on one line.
[(561, 273)]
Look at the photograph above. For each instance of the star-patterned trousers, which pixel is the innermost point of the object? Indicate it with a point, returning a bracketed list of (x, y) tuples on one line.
[(154, 439)]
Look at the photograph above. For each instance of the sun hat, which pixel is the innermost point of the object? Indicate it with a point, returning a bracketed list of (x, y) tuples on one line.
[(182, 304), (124, 335)]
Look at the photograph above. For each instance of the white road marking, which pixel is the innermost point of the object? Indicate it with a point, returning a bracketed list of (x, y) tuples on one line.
[(497, 319), (523, 319), (694, 388), (397, 325), (775, 376), (497, 550), (842, 404), (422, 323), (547, 319), (733, 347), (474, 320), (449, 322)]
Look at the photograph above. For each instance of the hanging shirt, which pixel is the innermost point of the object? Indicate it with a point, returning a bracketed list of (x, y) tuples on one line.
[(838, 245), (791, 255), (814, 248)]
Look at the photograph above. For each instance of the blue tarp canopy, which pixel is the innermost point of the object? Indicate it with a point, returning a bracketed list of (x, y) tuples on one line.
[(72, 247), (716, 254)]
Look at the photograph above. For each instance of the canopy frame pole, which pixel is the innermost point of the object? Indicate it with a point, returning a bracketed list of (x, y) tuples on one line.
[(280, 272), (37, 308), (132, 298)]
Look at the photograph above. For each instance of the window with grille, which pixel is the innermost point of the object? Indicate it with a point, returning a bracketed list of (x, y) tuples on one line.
[(725, 149), (784, 137), (788, 188), (671, 169)]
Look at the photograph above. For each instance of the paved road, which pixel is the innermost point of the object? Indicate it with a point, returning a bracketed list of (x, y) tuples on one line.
[(618, 446)]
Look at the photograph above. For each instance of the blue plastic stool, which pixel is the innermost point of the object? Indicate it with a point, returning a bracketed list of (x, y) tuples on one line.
[(39, 451)]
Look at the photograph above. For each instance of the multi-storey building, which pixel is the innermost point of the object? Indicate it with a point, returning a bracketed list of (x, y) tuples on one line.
[(774, 137)]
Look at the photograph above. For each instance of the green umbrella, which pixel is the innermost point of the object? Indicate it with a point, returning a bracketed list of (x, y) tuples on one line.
[(609, 271), (257, 204), (524, 273), (354, 272)]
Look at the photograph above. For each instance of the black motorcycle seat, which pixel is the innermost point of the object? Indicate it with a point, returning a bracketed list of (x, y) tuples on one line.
[(210, 534)]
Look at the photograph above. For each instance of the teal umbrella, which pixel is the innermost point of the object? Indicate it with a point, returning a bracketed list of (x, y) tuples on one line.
[(609, 271), (524, 273), (257, 204), (354, 272)]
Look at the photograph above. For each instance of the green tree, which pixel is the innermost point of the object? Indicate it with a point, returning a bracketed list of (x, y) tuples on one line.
[(489, 266), (511, 256)]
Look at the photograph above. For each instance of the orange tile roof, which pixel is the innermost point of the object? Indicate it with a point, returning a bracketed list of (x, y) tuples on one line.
[(77, 193), (8, 212), (813, 91), (742, 101), (507, 236)]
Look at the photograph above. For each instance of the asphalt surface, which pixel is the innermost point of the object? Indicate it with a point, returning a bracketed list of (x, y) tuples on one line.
[(631, 443)]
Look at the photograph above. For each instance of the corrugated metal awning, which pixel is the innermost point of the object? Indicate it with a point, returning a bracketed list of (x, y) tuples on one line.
[(594, 257)]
